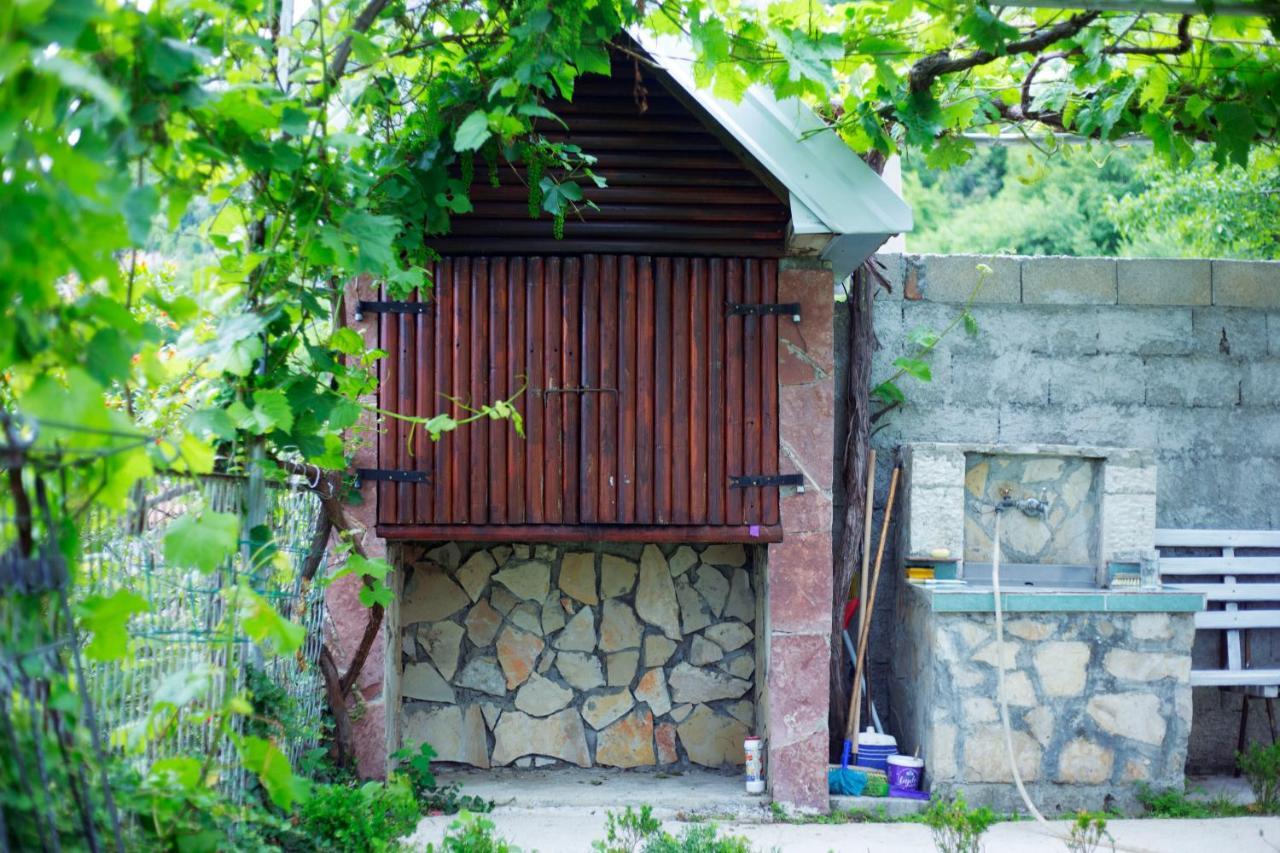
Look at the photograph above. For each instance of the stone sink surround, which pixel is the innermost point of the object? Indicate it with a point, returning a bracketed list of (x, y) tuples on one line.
[(942, 488), (1097, 680), (617, 655)]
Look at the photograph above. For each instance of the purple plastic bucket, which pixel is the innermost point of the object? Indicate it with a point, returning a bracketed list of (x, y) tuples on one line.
[(905, 772)]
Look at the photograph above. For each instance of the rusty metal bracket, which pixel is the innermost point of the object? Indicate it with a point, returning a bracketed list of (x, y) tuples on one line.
[(761, 309), (752, 481), (393, 475), (366, 306)]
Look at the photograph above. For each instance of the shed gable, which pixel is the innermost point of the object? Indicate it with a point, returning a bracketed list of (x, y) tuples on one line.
[(674, 187)]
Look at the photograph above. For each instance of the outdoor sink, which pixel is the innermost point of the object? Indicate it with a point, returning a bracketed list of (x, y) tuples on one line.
[(1015, 576)]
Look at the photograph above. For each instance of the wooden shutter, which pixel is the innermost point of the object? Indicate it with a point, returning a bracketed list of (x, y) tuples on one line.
[(643, 397)]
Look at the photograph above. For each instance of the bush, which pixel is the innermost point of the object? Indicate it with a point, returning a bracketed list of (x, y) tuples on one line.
[(1088, 832), (955, 828), (472, 834), (640, 832), (1261, 766), (372, 816)]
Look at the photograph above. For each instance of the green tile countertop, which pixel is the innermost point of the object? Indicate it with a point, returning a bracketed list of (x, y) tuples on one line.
[(966, 599)]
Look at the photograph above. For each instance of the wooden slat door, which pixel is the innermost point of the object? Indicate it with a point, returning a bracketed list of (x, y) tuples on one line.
[(643, 397)]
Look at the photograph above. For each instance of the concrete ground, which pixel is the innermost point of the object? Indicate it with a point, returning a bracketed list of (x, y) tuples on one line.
[(554, 810)]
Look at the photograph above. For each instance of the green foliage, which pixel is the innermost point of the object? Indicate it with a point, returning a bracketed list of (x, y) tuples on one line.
[(1088, 832), (1089, 201), (628, 831), (1261, 766), (956, 828), (434, 798), (358, 818), (640, 832), (472, 833), (1173, 803)]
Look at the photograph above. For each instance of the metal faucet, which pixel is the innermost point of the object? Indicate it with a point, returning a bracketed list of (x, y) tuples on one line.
[(1030, 507)]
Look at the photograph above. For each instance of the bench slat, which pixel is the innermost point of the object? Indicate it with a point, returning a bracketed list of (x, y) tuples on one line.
[(1166, 537), (1229, 678), (1232, 592), (1219, 620), (1220, 565)]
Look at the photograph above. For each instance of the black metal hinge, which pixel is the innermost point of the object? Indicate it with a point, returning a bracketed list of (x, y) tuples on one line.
[(392, 474), (751, 481), (365, 306), (746, 309)]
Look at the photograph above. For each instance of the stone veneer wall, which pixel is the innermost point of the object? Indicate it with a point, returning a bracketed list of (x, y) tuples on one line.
[(1181, 357), (1097, 703), (613, 655)]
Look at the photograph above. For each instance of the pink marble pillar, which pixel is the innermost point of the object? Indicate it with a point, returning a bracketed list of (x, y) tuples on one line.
[(347, 616), (799, 568)]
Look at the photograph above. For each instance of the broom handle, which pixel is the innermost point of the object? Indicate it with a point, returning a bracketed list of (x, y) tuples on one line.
[(866, 539), (866, 626), (856, 722)]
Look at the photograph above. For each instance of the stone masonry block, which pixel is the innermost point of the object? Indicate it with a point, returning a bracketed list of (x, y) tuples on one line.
[(1017, 376), (1151, 281), (937, 520), (893, 266), (1273, 333), (1262, 383), (1120, 479), (1081, 381), (1246, 284), (1200, 381), (1145, 331), (1105, 424), (941, 467), (952, 278), (1230, 332), (1128, 524), (1069, 281)]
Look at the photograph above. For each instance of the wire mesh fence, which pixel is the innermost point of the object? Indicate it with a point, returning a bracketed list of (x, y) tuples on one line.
[(180, 642)]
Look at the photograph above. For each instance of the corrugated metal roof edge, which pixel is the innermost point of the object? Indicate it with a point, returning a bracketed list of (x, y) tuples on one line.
[(843, 194)]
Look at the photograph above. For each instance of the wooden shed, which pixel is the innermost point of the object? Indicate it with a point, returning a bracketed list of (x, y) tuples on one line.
[(676, 354), (646, 339)]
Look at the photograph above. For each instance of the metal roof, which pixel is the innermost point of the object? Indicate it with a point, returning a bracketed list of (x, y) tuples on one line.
[(833, 193)]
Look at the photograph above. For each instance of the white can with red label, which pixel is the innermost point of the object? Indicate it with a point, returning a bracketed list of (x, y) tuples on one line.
[(754, 750)]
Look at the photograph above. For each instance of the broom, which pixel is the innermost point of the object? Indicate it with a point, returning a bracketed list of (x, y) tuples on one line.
[(851, 733)]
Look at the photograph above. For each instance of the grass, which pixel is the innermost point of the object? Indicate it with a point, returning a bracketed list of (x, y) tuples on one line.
[(1172, 803)]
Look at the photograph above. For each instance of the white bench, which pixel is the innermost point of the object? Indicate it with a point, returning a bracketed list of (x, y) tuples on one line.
[(1242, 592)]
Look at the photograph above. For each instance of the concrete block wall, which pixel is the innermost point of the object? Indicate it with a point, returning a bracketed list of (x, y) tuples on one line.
[(1180, 357)]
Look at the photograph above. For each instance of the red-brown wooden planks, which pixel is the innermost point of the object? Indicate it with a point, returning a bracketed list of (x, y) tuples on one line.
[(751, 391), (461, 388), (553, 371), (716, 477), (571, 325), (607, 440), (663, 417), (405, 404), (627, 416), (698, 415), (424, 374), (588, 401), (534, 397), (769, 390), (499, 431), (517, 376), (442, 487), (389, 326), (478, 392), (734, 463), (681, 368), (643, 397), (646, 480)]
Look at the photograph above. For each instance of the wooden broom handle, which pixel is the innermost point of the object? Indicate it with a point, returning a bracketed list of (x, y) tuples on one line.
[(856, 693)]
